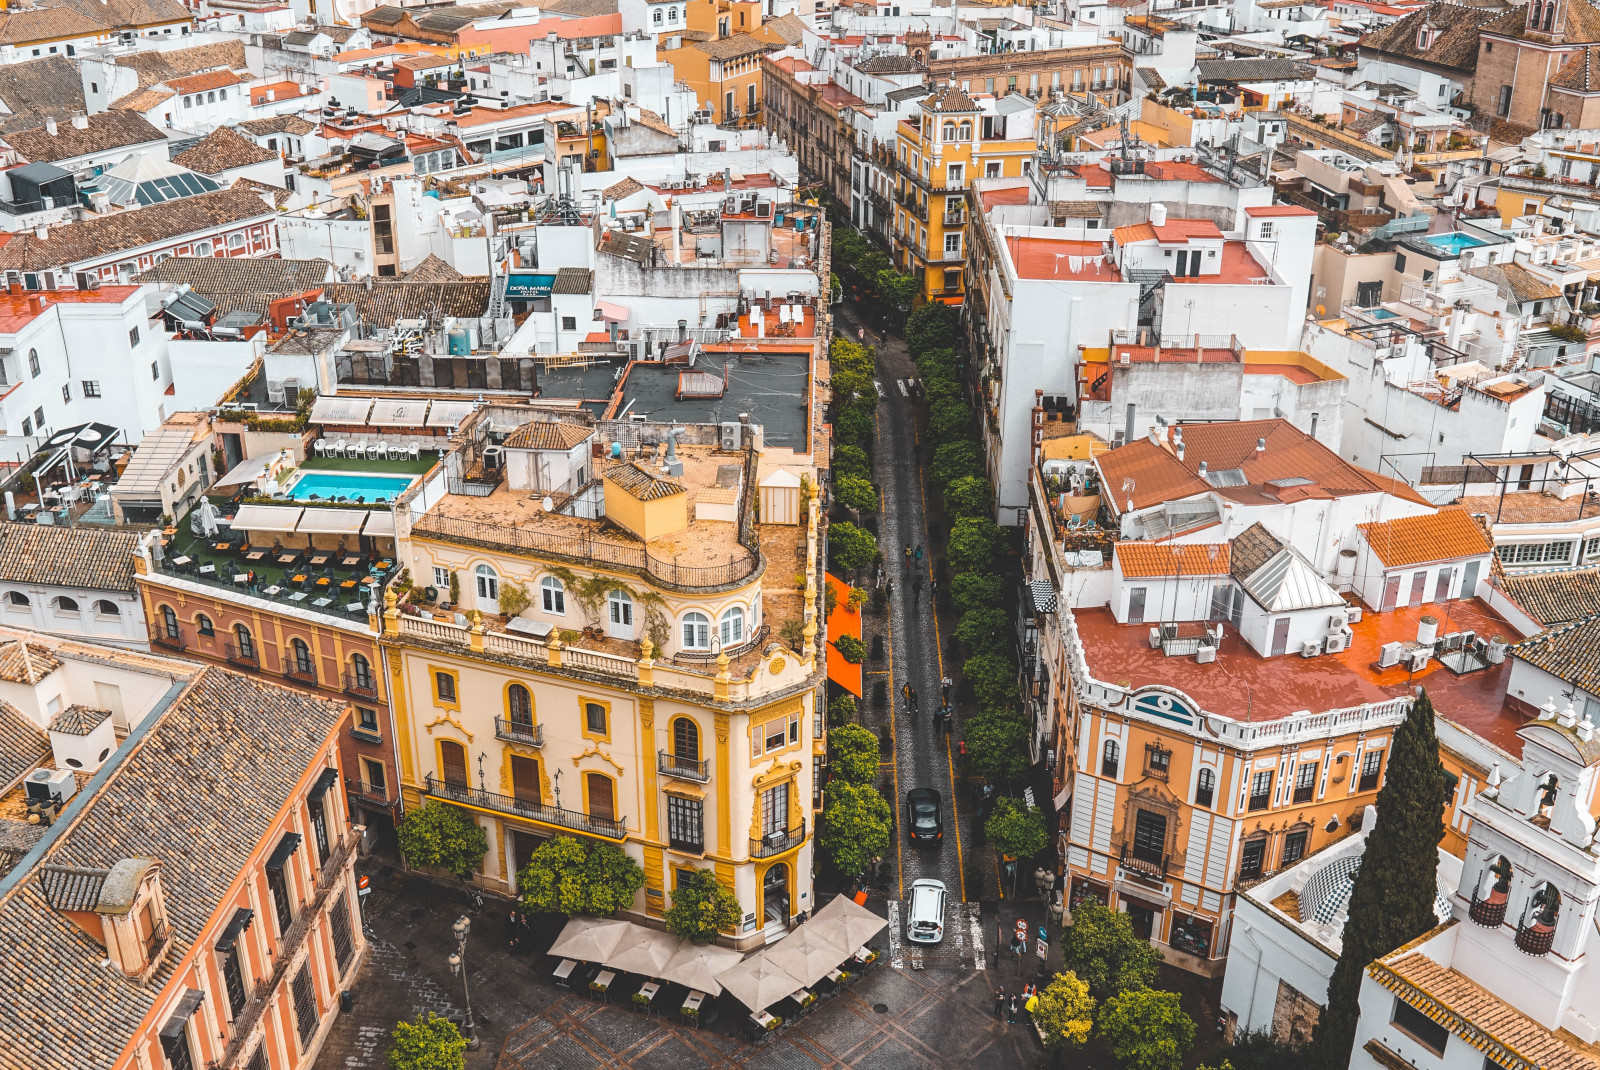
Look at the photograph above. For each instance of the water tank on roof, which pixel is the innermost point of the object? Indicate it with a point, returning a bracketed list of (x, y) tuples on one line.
[(460, 342)]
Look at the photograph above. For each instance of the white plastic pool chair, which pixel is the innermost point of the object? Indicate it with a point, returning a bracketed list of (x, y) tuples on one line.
[(412, 450), (383, 451), (337, 449), (322, 447), (359, 449)]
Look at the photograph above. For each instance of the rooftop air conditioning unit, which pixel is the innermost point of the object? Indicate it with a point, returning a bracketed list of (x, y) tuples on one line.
[(1155, 638), (1310, 648), (1337, 641), (274, 389), (1352, 614), (493, 458), (1389, 655), (1205, 655), (730, 436), (1418, 659), (43, 784)]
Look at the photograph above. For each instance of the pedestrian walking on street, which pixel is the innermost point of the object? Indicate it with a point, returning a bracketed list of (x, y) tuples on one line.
[(861, 335), (917, 553), (933, 587), (889, 587), (1011, 1012), (1017, 948), (946, 684), (999, 1002), (908, 551)]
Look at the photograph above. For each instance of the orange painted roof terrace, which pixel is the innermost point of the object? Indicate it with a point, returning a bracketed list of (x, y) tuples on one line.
[(1054, 258), (17, 311), (1243, 685)]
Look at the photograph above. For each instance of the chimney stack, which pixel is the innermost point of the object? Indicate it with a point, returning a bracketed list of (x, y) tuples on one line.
[(50, 126), (1261, 445), (80, 121)]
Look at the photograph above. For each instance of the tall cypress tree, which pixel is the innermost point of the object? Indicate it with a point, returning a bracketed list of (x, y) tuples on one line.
[(1391, 898)]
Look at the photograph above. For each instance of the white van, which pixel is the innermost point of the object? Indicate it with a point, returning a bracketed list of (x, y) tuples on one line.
[(925, 912)]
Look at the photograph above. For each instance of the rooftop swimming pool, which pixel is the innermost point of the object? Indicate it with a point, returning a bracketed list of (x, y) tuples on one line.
[(352, 486), (1383, 314), (1454, 242)]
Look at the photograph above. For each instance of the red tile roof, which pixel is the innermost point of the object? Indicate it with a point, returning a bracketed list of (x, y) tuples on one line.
[(199, 83), (1143, 559), (1446, 535), (1270, 210)]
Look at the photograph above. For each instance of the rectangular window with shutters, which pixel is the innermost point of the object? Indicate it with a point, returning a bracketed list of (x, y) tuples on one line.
[(343, 938), (1419, 1027), (1250, 858), (1294, 847), (1261, 790), (305, 1006), (686, 824), (175, 1047), (775, 809), (319, 827), (1371, 767), (1305, 782), (1150, 837), (279, 886), (233, 979)]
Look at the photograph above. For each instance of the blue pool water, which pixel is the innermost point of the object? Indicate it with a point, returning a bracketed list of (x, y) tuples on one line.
[(1454, 242), (347, 484), (1383, 314)]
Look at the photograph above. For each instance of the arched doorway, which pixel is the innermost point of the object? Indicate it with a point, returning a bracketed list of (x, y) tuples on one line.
[(775, 896)]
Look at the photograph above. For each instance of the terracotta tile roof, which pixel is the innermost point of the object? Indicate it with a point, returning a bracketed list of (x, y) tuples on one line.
[(26, 663), (1446, 535), (155, 66), (280, 196), (78, 720), (26, 26), (91, 239), (105, 130), (90, 559), (572, 280), (49, 87), (1569, 651), (1455, 47), (735, 47), (141, 101), (1141, 559), (211, 276), (222, 150), (643, 485), (199, 83), (655, 122), (1516, 282), (1581, 73), (1581, 26), (619, 190), (948, 98), (548, 435), (240, 747), (1555, 597), (277, 124), (1156, 475), (432, 269), (891, 64), (390, 301), (1504, 1034), (22, 744)]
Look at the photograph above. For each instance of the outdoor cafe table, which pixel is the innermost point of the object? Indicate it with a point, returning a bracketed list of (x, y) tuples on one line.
[(298, 578), (273, 591), (208, 570), (692, 1003), (182, 560), (256, 555), (288, 559), (649, 990), (763, 1020), (347, 585), (222, 547), (319, 560), (349, 562), (563, 972), (602, 983)]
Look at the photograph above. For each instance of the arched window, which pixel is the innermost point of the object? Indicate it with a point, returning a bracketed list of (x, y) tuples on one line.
[(18, 599), (519, 706), (966, 130), (203, 625), (245, 642), (620, 608), (1108, 761), (1489, 897), (236, 241), (1537, 932), (105, 607), (949, 131), (361, 671), (1205, 788), (686, 740), (169, 622), (203, 249), (63, 604), (487, 583), (1534, 10), (302, 657), (696, 631), (731, 625), (551, 590), (755, 612), (1549, 15)]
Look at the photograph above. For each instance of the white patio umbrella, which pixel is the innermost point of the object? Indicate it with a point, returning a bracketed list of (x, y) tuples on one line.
[(590, 939), (643, 951), (808, 954), (847, 922), (699, 966), (208, 518), (758, 983)]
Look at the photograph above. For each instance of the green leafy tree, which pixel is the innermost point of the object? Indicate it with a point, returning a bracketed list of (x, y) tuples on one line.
[(975, 590), (898, 288), (854, 423), (855, 755), (855, 826), (1392, 894), (1101, 947), (974, 544), (969, 496), (1065, 1012), (940, 384), (955, 460), (1147, 1030), (849, 246), (993, 679), (851, 461), (440, 836), (851, 649), (850, 386), (870, 265), (939, 362), (428, 1042), (702, 907), (996, 745), (565, 875), (986, 628), (857, 494), (1016, 830), (933, 326), (949, 420), (851, 547), (841, 710)]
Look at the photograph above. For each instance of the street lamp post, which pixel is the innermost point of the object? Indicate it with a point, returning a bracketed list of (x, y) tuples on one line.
[(458, 965)]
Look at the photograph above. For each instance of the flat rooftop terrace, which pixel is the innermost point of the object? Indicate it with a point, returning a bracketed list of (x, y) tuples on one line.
[(1245, 686), (768, 383)]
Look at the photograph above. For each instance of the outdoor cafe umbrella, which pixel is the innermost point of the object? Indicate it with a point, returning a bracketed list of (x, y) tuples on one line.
[(590, 939), (758, 983), (699, 966), (808, 954), (847, 922), (208, 518), (643, 951)]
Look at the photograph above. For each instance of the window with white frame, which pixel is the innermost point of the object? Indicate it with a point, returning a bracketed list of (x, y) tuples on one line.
[(730, 626), (553, 596), (696, 631), (1535, 553)]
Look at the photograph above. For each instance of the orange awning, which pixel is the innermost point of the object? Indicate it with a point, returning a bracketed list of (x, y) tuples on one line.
[(843, 621)]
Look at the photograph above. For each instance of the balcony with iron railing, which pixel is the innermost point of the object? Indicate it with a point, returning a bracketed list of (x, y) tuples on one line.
[(1144, 863), (364, 685), (1490, 915), (244, 659), (306, 674), (164, 639), (669, 764), (531, 735), (608, 828), (777, 841), (368, 793)]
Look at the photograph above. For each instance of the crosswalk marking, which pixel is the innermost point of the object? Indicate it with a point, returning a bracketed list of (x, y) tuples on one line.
[(901, 383)]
